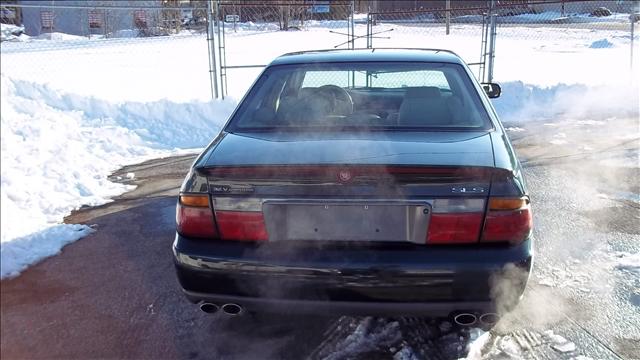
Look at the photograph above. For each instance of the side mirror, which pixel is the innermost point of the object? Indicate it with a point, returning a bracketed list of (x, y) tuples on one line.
[(493, 90)]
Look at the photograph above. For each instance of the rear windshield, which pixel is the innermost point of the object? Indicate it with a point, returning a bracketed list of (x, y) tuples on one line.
[(362, 96)]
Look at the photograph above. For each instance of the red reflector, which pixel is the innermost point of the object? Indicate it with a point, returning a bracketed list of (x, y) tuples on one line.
[(241, 225), (511, 226), (195, 221), (454, 228)]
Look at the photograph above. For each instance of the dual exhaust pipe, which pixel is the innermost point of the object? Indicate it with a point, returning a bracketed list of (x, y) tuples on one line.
[(469, 319), (462, 319), (228, 309)]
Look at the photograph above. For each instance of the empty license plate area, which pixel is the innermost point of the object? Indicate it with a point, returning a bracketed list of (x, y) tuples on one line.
[(347, 221)]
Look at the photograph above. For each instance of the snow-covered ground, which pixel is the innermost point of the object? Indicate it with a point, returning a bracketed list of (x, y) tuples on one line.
[(58, 149), (75, 109), (9, 32)]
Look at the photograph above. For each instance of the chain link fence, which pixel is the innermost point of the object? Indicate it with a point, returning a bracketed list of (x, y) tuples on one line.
[(462, 30), (251, 33), (116, 50), (149, 50), (540, 31)]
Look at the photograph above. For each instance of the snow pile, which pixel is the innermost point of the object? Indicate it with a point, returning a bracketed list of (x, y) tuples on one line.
[(629, 262), (125, 34), (524, 102), (9, 32), (251, 26), (601, 44), (58, 149), (23, 251), (161, 123), (58, 36), (555, 17)]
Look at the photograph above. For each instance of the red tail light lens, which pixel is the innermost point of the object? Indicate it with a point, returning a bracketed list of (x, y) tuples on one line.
[(194, 217), (454, 228), (508, 220), (241, 225)]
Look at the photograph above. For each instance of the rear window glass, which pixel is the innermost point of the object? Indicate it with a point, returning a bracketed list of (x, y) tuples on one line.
[(371, 95)]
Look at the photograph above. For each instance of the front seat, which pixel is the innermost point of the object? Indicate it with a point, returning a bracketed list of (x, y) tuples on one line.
[(423, 106)]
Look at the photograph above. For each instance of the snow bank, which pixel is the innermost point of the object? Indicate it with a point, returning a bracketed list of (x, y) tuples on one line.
[(58, 36), (629, 262), (9, 32), (524, 102), (58, 149), (555, 17), (24, 251), (601, 44), (162, 124)]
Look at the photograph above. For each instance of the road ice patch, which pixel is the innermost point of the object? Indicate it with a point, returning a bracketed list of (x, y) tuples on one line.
[(479, 340)]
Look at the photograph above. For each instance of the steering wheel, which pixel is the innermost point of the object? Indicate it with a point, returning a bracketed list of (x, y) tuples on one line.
[(340, 101)]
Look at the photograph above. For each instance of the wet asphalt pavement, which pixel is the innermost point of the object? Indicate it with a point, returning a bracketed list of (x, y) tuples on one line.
[(114, 293)]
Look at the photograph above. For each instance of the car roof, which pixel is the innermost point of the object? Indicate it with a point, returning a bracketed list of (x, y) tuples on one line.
[(365, 55)]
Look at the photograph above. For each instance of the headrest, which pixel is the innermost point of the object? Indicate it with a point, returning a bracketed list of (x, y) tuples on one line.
[(422, 92)]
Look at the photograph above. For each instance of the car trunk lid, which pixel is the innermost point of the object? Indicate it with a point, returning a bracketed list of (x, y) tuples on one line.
[(351, 187)]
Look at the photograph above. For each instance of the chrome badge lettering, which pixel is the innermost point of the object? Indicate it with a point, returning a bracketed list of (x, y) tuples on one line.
[(232, 189), (467, 190)]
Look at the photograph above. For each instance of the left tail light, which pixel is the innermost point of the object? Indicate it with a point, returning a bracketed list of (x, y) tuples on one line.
[(194, 216)]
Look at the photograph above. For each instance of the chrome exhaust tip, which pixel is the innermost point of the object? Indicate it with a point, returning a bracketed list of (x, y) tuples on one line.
[(232, 309), (465, 319), (209, 308), (489, 318)]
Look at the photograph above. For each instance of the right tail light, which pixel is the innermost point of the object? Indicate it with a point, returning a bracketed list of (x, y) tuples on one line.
[(507, 220)]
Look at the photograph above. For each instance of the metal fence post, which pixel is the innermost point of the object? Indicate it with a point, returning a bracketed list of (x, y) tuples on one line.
[(492, 41), (353, 28), (213, 74), (632, 20), (448, 14), (369, 31), (222, 56)]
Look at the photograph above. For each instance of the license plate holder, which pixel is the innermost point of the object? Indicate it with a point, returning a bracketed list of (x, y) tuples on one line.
[(347, 221)]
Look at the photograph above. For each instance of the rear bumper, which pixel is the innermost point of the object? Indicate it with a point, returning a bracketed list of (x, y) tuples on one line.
[(332, 307), (314, 278)]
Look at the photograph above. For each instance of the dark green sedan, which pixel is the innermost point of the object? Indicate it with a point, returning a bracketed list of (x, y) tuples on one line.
[(374, 181)]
